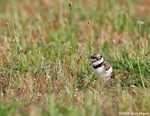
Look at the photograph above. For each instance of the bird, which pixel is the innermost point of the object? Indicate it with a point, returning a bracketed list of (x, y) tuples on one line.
[(101, 68)]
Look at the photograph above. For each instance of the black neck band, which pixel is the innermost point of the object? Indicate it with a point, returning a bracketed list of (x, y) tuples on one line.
[(97, 66)]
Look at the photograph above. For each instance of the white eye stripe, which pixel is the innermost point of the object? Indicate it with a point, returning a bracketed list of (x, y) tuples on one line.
[(95, 56), (98, 58), (93, 60)]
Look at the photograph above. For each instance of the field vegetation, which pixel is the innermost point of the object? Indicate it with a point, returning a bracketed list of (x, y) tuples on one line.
[(44, 57)]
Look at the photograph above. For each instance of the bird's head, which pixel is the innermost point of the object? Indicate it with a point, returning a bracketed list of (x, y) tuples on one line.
[(96, 59)]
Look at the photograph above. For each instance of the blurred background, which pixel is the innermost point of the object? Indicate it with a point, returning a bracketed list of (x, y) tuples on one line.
[(52, 16)]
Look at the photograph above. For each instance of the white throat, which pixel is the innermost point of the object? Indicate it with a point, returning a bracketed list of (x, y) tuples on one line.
[(98, 62)]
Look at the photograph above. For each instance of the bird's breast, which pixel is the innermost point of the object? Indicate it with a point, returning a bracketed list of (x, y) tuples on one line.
[(101, 72)]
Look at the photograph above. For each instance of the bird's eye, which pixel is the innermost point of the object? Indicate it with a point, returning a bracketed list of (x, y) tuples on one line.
[(99, 58), (92, 57)]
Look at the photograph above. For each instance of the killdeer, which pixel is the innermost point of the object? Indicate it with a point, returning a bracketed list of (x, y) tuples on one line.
[(101, 68)]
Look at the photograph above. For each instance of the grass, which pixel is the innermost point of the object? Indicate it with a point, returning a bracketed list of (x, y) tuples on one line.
[(44, 57)]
